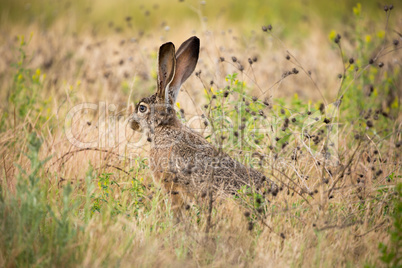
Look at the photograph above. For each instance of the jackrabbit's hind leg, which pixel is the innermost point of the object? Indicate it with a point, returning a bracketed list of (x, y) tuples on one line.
[(178, 197)]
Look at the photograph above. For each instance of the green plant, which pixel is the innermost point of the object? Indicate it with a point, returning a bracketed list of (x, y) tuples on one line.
[(391, 253), (34, 231), (25, 91)]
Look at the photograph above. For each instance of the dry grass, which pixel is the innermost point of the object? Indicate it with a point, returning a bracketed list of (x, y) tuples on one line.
[(320, 218)]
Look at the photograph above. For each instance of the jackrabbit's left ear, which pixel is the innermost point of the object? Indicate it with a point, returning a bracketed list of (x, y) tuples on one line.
[(166, 69), (186, 60)]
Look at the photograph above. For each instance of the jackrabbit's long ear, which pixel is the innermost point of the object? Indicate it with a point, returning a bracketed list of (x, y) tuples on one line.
[(186, 60), (166, 68)]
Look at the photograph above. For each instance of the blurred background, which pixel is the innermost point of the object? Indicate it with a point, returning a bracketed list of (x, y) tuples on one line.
[(294, 18), (100, 49)]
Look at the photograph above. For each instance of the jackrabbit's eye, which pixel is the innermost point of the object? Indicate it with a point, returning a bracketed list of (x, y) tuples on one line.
[(142, 108)]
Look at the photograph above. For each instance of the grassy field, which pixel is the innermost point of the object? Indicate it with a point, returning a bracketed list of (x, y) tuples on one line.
[(308, 92)]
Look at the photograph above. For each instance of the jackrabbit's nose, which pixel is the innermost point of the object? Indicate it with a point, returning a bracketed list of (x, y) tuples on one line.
[(134, 124)]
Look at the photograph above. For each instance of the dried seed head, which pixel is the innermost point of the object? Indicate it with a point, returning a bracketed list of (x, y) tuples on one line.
[(247, 214), (234, 59), (395, 42), (381, 64), (221, 59), (351, 61), (336, 40), (322, 108), (275, 192), (250, 226), (287, 57)]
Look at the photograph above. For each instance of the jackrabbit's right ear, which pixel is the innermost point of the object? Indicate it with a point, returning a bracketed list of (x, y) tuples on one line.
[(166, 69), (186, 60)]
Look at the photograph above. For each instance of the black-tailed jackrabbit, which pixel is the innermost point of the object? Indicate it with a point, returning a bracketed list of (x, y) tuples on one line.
[(181, 159)]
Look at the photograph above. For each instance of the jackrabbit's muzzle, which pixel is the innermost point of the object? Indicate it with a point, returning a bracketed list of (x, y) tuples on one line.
[(134, 124)]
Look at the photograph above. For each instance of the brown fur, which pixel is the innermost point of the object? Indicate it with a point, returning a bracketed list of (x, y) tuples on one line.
[(182, 160)]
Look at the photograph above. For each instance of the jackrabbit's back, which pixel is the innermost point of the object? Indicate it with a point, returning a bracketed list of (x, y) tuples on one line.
[(184, 157)]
